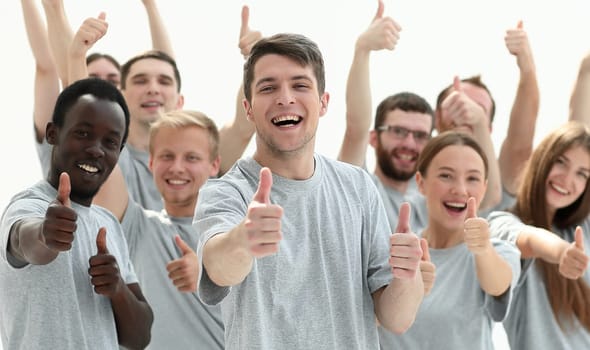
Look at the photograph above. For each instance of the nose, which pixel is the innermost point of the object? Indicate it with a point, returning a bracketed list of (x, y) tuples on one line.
[(177, 165), (153, 87), (409, 141), (459, 187), (95, 150), (285, 97)]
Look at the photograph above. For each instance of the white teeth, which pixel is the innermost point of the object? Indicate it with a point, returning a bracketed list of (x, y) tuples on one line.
[(151, 104), (88, 168), (286, 118), (456, 205), (405, 157), (177, 182), (559, 189)]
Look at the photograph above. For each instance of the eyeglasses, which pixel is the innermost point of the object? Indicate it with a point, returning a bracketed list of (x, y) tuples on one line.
[(401, 133)]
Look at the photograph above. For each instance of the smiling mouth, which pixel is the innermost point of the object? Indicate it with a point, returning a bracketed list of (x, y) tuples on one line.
[(151, 104), (559, 189), (88, 168), (455, 206), (286, 121), (177, 182)]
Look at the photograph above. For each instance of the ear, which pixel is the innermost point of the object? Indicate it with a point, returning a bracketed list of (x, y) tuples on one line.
[(51, 131), (437, 119), (420, 182), (373, 138), (324, 99), (151, 163), (248, 109), (180, 102), (215, 167)]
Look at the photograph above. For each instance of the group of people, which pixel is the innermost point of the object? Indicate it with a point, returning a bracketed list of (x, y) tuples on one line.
[(151, 229)]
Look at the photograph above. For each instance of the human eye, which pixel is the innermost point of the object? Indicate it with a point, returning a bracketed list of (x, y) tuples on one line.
[(165, 81), (139, 81), (81, 133), (473, 179), (583, 175), (445, 176), (399, 131), (193, 158), (266, 88), (421, 136), (112, 143)]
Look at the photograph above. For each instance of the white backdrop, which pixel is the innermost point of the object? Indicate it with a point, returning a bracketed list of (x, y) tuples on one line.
[(439, 39)]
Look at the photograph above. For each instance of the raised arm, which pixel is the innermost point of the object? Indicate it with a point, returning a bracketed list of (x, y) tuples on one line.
[(92, 30), (397, 304), (46, 77), (493, 272), (60, 36), (383, 33), (518, 145), (236, 134), (580, 99), (228, 257), (38, 241), (468, 116), (160, 39)]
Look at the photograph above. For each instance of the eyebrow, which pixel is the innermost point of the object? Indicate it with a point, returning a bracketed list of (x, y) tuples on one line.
[(447, 168), (294, 78)]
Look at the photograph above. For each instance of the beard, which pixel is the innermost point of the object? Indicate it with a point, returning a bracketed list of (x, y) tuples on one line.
[(388, 168)]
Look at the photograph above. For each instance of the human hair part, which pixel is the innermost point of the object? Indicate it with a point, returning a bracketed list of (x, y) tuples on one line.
[(475, 81), (101, 89), (97, 55), (180, 119), (294, 46), (405, 101), (153, 54), (444, 140), (568, 298)]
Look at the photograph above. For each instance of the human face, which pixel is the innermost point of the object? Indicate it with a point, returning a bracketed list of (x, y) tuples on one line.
[(151, 89), (454, 175), (567, 178), (396, 156), (285, 106), (478, 95), (104, 69), (181, 164), (87, 146)]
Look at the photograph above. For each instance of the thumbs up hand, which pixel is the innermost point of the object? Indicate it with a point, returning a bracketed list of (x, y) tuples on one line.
[(477, 231), (405, 252), (248, 37), (59, 224), (574, 261), (184, 271), (427, 268), (383, 33), (92, 30), (104, 270), (517, 43), (263, 220), (460, 112)]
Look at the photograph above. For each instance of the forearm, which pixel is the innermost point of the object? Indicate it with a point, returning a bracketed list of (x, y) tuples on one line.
[(226, 261), (160, 39), (493, 272), (397, 304), (77, 69), (580, 98), (133, 317), (26, 243), (518, 145), (60, 36), (536, 242), (493, 193), (235, 136), (358, 110)]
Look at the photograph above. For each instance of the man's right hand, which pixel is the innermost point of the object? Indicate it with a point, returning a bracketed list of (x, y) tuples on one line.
[(263, 220), (59, 225)]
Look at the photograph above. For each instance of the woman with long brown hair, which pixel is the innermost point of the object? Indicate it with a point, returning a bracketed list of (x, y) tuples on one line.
[(549, 223)]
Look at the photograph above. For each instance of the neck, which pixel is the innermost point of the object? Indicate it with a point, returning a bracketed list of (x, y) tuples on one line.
[(139, 135), (180, 211), (441, 238), (399, 186), (298, 165)]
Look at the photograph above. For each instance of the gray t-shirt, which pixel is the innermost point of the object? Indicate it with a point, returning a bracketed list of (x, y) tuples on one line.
[(457, 314), (44, 153), (316, 292), (181, 320), (392, 200), (140, 182), (54, 306), (531, 323)]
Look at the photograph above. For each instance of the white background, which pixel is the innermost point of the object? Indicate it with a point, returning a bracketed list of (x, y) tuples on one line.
[(439, 40)]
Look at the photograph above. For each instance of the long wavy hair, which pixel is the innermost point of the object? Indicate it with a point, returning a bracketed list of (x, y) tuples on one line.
[(568, 298)]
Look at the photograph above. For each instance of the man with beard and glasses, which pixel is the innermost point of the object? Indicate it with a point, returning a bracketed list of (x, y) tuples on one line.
[(403, 124), (67, 280)]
